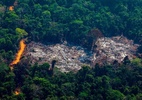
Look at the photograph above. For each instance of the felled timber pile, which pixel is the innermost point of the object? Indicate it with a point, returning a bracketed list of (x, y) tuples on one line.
[(68, 58), (71, 58), (113, 49)]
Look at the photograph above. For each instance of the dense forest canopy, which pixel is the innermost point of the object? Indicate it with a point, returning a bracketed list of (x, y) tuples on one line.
[(73, 21)]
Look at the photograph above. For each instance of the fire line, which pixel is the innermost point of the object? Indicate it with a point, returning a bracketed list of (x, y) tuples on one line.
[(17, 91), (11, 8), (19, 53)]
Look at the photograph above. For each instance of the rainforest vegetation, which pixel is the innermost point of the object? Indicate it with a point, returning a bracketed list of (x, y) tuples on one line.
[(55, 21)]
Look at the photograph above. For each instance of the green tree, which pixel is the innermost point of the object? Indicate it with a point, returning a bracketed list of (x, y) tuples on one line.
[(117, 95), (21, 33), (7, 83)]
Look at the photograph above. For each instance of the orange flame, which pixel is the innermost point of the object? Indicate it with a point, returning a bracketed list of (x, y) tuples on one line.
[(19, 54), (17, 91), (11, 8)]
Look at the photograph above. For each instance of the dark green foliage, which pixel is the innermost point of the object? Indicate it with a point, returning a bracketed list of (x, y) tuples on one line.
[(7, 83), (71, 20), (8, 2), (99, 83), (86, 84), (140, 49)]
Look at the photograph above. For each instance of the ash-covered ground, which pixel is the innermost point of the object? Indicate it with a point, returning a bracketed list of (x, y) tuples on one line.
[(72, 58), (68, 58), (114, 49)]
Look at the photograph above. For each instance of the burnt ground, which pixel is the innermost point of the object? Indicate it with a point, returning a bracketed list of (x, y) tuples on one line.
[(72, 58)]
